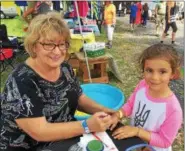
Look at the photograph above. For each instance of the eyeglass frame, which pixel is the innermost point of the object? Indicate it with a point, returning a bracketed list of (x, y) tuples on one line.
[(54, 46)]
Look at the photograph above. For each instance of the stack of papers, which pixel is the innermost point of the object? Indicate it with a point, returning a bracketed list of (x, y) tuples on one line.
[(94, 46), (104, 138)]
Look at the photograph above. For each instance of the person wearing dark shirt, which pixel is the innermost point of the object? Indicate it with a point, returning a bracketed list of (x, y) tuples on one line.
[(42, 94), (133, 12), (145, 14), (170, 20), (29, 13)]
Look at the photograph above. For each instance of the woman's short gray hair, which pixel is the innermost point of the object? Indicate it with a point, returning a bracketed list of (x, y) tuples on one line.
[(41, 27)]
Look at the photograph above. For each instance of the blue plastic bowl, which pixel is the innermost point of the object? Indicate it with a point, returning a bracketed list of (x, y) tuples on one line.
[(104, 94)]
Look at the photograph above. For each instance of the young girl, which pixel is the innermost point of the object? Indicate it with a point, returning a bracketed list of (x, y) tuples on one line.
[(155, 112)]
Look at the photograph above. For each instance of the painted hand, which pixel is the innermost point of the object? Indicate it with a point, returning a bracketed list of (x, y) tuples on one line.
[(125, 132), (99, 122)]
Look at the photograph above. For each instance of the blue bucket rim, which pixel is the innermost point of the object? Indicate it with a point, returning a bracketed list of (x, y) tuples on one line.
[(115, 108)]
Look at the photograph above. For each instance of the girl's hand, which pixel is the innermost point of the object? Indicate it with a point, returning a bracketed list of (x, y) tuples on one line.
[(125, 132), (99, 122), (114, 120)]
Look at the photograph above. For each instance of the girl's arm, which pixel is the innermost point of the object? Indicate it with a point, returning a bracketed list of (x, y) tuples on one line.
[(131, 131), (143, 134), (165, 136), (126, 110), (128, 106)]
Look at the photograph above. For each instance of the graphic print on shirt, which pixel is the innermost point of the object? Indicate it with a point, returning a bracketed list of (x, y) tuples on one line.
[(56, 103), (68, 75), (141, 115), (19, 104), (2, 137), (59, 104), (19, 142)]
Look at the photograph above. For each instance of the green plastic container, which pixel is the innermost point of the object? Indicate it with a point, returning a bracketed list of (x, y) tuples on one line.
[(95, 145), (93, 54)]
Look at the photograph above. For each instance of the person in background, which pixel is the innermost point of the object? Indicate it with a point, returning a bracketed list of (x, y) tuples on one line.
[(41, 95), (155, 112), (34, 8), (124, 8), (145, 14), (109, 21), (160, 10), (43, 7), (170, 21), (28, 14), (139, 13), (56, 5), (119, 9), (133, 11)]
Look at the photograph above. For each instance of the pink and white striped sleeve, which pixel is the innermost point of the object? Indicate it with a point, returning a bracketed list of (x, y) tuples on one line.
[(169, 129)]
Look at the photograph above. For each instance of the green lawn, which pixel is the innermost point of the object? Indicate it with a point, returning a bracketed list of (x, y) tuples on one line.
[(15, 26)]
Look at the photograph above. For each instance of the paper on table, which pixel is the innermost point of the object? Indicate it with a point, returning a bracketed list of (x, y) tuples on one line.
[(103, 136)]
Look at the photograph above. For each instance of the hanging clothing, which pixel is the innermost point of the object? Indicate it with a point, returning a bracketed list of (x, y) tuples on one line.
[(138, 14), (83, 8), (21, 3), (56, 5)]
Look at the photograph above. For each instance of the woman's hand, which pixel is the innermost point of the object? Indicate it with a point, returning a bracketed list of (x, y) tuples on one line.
[(125, 132), (99, 122), (114, 120)]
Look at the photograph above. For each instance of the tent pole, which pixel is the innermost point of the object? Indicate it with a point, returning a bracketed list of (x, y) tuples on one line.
[(80, 26)]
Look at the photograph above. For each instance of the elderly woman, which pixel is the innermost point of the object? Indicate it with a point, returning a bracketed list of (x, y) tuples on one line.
[(41, 95)]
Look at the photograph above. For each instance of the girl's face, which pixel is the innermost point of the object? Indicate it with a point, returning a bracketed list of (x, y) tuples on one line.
[(48, 57), (157, 73)]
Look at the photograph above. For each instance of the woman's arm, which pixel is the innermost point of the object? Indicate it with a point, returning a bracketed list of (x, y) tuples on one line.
[(41, 130), (89, 106), (170, 4), (114, 15)]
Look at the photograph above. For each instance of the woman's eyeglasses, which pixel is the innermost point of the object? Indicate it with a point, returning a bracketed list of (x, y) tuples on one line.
[(52, 46)]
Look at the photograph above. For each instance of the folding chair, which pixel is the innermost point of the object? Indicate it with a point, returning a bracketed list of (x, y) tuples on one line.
[(6, 49), (6, 57)]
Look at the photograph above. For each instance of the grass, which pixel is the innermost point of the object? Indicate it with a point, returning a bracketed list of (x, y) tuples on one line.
[(125, 50), (18, 25)]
